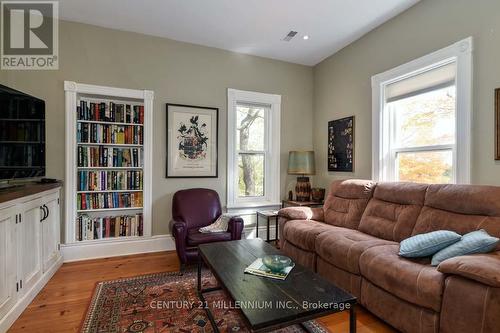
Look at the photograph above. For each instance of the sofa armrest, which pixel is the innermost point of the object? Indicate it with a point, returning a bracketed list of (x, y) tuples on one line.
[(235, 227), (484, 268), (302, 213)]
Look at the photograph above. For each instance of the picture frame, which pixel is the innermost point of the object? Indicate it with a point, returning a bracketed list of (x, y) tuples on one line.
[(497, 124), (192, 141), (341, 145)]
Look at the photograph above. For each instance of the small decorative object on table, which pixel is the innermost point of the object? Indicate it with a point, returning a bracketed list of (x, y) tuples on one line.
[(276, 262), (260, 269), (302, 163), (318, 194)]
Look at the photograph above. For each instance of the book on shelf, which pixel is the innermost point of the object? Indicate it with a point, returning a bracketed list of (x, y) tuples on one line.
[(109, 133), (110, 112), (109, 157), (90, 228), (109, 180), (258, 268), (87, 201)]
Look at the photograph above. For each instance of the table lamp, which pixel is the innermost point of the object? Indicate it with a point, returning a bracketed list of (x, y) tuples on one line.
[(302, 163)]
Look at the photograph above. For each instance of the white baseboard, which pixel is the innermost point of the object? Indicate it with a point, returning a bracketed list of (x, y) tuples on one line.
[(106, 248), (14, 313)]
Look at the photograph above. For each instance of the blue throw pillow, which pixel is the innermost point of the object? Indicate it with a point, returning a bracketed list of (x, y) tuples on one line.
[(474, 242), (425, 245)]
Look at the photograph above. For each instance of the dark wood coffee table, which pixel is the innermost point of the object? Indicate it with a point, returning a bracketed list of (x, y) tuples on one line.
[(303, 296)]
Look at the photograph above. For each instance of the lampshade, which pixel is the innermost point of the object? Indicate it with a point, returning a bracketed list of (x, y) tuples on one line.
[(301, 163)]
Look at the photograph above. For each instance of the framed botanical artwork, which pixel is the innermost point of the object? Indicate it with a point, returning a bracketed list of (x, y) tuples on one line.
[(497, 124), (192, 140), (341, 144)]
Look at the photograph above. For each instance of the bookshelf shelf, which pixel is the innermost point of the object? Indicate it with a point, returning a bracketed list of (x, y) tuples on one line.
[(108, 123), (109, 168), (109, 144), (108, 209), (109, 191), (89, 111)]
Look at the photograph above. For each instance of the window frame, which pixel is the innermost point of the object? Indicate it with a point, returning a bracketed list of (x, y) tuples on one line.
[(383, 154), (271, 149)]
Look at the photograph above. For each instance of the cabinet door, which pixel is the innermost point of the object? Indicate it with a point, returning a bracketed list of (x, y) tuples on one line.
[(29, 245), (8, 293), (50, 230)]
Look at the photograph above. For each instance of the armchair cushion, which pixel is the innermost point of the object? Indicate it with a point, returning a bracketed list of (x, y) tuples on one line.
[(195, 238), (484, 268), (302, 213)]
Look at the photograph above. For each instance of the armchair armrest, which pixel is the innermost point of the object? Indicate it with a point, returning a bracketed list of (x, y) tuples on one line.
[(179, 231), (235, 227), (484, 268), (302, 213)]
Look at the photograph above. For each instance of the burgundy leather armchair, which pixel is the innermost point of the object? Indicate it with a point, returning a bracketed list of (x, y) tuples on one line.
[(193, 209)]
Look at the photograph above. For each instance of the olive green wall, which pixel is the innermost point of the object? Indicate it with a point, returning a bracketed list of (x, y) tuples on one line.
[(342, 82), (177, 73)]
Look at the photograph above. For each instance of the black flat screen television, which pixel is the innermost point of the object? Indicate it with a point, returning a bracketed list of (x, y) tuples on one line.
[(22, 135)]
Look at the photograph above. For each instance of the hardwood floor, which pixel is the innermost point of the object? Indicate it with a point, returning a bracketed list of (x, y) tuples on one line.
[(63, 302)]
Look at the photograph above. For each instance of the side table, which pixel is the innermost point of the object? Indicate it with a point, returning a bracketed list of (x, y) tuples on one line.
[(268, 215)]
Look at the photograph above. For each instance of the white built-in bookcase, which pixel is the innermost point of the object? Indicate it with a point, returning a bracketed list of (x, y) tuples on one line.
[(74, 93)]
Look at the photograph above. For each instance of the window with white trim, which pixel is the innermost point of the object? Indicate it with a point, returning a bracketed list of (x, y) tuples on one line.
[(421, 118), (253, 149)]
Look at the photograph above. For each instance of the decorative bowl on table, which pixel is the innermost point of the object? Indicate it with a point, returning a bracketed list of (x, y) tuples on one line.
[(276, 262)]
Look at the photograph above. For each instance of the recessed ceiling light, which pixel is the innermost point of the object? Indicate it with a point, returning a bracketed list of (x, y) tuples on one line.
[(306, 37)]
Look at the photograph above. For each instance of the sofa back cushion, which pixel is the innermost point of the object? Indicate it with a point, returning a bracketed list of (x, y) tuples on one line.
[(346, 201), (460, 208), (393, 211)]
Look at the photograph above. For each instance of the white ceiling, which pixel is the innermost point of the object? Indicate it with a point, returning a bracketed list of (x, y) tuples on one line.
[(254, 27)]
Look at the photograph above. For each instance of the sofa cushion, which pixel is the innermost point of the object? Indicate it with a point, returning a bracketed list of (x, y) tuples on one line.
[(414, 281), (460, 208), (195, 238), (474, 242), (346, 201), (424, 245), (303, 233), (392, 212), (342, 247)]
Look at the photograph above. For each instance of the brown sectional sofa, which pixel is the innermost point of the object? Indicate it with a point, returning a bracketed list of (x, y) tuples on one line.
[(353, 240)]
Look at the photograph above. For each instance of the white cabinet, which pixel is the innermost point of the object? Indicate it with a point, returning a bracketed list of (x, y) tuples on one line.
[(29, 245), (29, 250), (7, 260), (50, 222)]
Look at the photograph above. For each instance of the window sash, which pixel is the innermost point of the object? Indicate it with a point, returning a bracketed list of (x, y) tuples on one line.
[(424, 149), (461, 53), (254, 197), (271, 152)]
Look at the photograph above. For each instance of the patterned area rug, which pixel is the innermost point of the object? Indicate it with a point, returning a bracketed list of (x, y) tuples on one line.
[(166, 302)]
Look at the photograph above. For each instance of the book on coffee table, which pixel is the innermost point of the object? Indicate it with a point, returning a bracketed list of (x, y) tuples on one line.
[(258, 268)]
